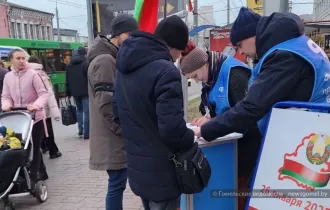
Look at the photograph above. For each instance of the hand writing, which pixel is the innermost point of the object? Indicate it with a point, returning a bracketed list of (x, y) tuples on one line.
[(200, 121)]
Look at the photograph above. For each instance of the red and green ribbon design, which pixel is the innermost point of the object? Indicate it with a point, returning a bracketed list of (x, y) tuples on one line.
[(305, 175)]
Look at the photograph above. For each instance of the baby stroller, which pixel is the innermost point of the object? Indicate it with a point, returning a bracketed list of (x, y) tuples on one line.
[(14, 163)]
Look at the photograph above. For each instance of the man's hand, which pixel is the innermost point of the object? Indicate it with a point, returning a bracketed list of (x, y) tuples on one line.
[(7, 108), (31, 108), (57, 118), (197, 131), (200, 121)]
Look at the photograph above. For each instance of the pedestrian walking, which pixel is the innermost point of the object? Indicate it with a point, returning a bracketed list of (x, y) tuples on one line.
[(76, 86), (152, 84), (22, 87), (51, 110), (3, 72), (107, 149), (2, 65)]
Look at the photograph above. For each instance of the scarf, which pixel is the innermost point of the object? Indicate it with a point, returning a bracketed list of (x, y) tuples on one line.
[(216, 60)]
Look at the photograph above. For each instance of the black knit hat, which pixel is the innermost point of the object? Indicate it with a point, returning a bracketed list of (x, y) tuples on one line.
[(123, 23), (245, 25), (173, 31)]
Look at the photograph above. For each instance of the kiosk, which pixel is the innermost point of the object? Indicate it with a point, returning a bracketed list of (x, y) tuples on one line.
[(222, 156)]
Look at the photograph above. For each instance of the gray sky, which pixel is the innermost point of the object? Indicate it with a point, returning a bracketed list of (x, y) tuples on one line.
[(73, 15)]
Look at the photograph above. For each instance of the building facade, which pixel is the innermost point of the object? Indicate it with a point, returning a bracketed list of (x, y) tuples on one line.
[(69, 35), (321, 10), (4, 26), (28, 23)]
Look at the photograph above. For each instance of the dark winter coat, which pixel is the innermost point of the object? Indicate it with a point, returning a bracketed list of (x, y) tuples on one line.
[(76, 76), (154, 90), (284, 76), (3, 72)]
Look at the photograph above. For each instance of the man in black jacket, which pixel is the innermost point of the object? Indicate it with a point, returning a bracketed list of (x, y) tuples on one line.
[(282, 74), (152, 120), (76, 86)]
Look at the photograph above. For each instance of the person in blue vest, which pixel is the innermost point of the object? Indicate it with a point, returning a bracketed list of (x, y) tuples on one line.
[(289, 67), (225, 84)]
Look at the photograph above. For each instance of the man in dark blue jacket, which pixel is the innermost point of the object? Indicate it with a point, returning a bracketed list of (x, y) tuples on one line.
[(151, 114)]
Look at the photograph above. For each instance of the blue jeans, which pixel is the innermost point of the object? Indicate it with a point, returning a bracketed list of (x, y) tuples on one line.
[(116, 188), (82, 104)]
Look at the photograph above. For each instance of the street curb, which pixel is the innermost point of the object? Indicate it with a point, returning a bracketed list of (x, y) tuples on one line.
[(193, 97)]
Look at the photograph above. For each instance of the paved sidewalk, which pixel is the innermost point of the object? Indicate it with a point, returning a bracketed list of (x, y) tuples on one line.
[(71, 185)]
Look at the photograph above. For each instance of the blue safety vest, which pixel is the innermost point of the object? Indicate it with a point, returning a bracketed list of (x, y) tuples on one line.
[(311, 52), (218, 96)]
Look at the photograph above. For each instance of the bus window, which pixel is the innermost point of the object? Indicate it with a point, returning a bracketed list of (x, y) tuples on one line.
[(57, 56), (33, 52), (65, 59), (48, 61)]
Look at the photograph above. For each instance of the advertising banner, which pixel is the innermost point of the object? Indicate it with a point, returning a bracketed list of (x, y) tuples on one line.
[(220, 41), (103, 11), (255, 5), (294, 167)]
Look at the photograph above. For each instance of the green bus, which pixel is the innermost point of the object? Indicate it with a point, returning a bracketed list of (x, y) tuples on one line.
[(53, 55)]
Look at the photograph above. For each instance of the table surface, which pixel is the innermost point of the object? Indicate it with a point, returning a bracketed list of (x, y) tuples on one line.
[(224, 139)]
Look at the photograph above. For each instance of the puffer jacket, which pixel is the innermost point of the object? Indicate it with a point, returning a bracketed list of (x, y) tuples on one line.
[(51, 107), (23, 88)]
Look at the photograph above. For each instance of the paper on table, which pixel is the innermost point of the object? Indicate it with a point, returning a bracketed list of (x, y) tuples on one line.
[(190, 126), (199, 140)]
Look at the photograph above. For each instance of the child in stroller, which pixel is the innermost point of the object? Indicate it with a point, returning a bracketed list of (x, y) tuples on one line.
[(8, 139), (14, 162)]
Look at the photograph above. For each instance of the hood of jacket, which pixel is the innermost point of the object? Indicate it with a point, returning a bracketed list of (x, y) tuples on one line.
[(39, 68), (275, 29), (101, 45), (138, 50), (35, 66), (77, 59)]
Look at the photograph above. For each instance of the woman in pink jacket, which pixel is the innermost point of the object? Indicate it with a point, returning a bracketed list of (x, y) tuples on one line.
[(23, 87), (51, 109)]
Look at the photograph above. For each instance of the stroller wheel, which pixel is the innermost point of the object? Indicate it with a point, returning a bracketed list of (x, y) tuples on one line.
[(11, 206), (41, 192)]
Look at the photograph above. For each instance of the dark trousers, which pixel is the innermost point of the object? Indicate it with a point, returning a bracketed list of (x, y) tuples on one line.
[(49, 142), (37, 164), (165, 205)]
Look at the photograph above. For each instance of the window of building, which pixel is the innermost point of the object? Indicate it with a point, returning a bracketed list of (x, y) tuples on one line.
[(26, 33), (43, 36), (32, 34), (327, 42), (19, 30), (12, 30), (38, 31), (48, 33)]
